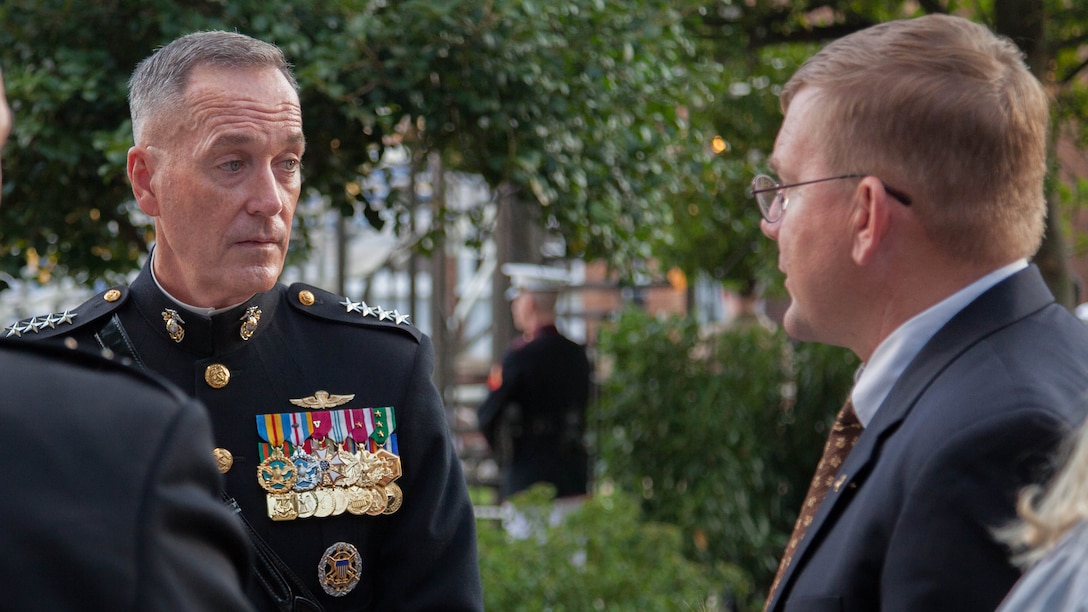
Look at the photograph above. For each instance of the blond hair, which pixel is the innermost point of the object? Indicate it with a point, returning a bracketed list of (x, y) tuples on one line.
[(1046, 514), (944, 110)]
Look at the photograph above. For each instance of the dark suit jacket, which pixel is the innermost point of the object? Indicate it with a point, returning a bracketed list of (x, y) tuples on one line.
[(423, 556), (975, 416), (545, 386), (112, 497)]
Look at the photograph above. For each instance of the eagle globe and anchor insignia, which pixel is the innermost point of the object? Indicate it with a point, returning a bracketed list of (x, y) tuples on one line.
[(325, 462)]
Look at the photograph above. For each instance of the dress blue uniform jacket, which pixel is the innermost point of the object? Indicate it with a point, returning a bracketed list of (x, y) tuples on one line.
[(112, 496), (423, 556), (546, 383), (973, 418)]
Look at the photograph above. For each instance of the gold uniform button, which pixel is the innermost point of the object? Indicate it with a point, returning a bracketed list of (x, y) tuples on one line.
[(306, 297), (112, 295), (217, 376), (223, 459)]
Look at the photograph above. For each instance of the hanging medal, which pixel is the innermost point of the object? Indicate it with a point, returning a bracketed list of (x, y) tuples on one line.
[(307, 471), (276, 472), (340, 433)]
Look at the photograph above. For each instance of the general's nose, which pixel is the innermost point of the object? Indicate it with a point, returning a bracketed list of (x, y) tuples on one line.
[(267, 196)]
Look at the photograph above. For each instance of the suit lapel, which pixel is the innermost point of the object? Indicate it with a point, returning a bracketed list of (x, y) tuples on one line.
[(1010, 300)]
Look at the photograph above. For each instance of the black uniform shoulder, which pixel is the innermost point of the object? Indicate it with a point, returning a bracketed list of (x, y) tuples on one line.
[(61, 323), (15, 354), (328, 306)]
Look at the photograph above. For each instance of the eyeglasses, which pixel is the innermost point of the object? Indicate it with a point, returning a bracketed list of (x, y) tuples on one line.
[(772, 198)]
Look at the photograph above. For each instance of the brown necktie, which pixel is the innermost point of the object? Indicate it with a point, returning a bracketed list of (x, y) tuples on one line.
[(844, 433)]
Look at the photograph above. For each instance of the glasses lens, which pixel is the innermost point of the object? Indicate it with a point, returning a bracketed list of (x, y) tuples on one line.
[(766, 191)]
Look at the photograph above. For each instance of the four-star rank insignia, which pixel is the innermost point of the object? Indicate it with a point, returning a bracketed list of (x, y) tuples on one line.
[(36, 324), (363, 309), (323, 462)]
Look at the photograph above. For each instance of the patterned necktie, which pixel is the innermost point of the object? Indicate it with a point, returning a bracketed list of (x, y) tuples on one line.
[(844, 434)]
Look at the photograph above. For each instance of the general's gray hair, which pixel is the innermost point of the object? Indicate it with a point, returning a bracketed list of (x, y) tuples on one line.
[(159, 81)]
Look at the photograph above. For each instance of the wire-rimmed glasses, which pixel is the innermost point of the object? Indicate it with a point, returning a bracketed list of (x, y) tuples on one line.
[(772, 198)]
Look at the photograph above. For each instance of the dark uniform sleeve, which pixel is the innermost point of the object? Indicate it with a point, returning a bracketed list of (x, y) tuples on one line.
[(489, 413), (115, 502), (434, 533), (194, 550)]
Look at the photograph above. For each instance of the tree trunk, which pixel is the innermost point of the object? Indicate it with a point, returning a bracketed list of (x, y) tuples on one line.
[(444, 348), (515, 241)]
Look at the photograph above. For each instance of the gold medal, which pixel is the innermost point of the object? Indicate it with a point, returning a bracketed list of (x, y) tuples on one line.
[(325, 503), (378, 501), (358, 500), (277, 473), (340, 501), (391, 466), (369, 468), (395, 497), (350, 469), (307, 504), (282, 507)]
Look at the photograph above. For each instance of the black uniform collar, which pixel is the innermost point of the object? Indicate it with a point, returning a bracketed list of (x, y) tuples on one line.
[(204, 335)]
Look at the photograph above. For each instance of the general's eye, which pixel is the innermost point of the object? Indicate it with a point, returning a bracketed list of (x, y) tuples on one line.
[(232, 166), (292, 164)]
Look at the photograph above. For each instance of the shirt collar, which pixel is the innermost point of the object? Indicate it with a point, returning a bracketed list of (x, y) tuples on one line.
[(895, 353)]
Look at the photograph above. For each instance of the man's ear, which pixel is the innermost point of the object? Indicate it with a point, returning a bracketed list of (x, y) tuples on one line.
[(871, 219), (141, 167)]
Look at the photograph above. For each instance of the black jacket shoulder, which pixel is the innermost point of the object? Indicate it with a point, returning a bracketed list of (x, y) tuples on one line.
[(328, 306), (17, 354)]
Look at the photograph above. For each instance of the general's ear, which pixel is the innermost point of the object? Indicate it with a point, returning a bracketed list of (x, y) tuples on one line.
[(141, 168), (871, 220)]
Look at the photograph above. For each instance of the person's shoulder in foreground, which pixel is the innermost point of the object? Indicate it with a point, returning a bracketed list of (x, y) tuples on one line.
[(119, 492)]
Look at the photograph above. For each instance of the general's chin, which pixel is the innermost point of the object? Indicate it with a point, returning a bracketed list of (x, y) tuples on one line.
[(258, 278)]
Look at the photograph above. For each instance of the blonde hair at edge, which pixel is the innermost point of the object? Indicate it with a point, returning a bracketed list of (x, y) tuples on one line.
[(944, 110), (1046, 516)]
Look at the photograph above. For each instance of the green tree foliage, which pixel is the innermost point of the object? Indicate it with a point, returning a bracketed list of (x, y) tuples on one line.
[(603, 556), (759, 44), (576, 105), (718, 435), (603, 113)]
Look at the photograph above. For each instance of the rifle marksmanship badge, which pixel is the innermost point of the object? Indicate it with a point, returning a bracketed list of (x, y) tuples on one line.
[(326, 462)]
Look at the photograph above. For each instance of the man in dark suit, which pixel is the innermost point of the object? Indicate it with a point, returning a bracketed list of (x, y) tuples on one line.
[(912, 157), (333, 439), (534, 416), (113, 497)]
